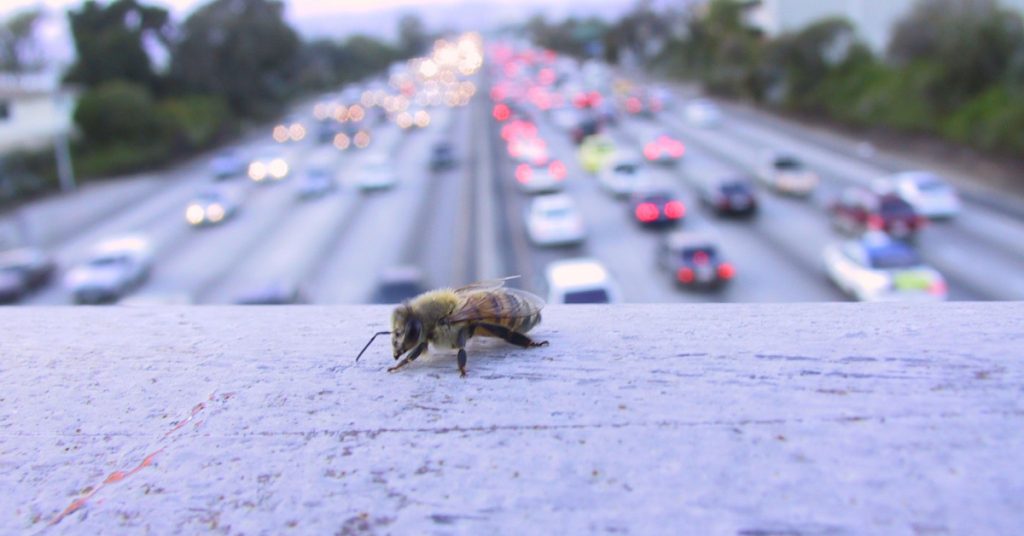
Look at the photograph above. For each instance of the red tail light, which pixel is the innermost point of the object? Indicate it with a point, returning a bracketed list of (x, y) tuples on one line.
[(685, 275), (876, 222), (677, 149), (726, 271), (523, 173), (938, 288), (675, 209), (651, 151), (501, 112), (557, 170), (920, 221), (633, 105), (646, 212)]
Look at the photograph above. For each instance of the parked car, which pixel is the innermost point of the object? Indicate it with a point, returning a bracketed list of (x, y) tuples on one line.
[(694, 260), (211, 206), (554, 220), (113, 269), (656, 207), (580, 281), (315, 182), (858, 210), (877, 267), (787, 174), (623, 176), (398, 284), (22, 271), (534, 179), (728, 195), (930, 196)]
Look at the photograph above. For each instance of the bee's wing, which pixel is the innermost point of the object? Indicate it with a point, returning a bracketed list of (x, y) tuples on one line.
[(495, 305), (487, 284)]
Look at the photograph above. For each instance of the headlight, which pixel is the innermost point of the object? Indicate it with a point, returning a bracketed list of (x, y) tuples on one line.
[(195, 214), (257, 171), (278, 168), (215, 212)]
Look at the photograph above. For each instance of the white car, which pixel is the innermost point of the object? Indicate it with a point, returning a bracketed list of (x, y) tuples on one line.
[(554, 220), (227, 164), (879, 268), (534, 179), (624, 176), (211, 207), (703, 113), (930, 196), (787, 174), (580, 281), (270, 169), (315, 182), (376, 173), (113, 269)]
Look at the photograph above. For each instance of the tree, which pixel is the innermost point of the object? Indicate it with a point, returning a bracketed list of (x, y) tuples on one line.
[(975, 42), (412, 37), (242, 50), (111, 42), (19, 51)]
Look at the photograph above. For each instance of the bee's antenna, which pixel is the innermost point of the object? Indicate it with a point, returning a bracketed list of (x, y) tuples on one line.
[(371, 342)]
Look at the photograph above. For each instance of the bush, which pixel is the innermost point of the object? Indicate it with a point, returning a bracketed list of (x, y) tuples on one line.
[(118, 158), (196, 121), (119, 112), (992, 121)]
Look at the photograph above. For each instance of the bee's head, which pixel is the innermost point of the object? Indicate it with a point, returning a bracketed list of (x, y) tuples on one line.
[(406, 330)]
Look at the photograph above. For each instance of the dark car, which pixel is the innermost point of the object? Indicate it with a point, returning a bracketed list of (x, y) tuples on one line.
[(442, 157), (399, 284), (656, 208), (858, 210), (23, 270), (586, 128), (729, 196), (694, 260)]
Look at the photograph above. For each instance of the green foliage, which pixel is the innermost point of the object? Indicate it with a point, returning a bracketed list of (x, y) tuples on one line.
[(109, 41), (19, 50), (574, 37), (118, 112), (413, 39), (196, 121), (993, 121), (242, 50)]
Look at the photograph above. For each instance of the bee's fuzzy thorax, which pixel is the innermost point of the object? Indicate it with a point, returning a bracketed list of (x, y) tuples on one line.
[(434, 305)]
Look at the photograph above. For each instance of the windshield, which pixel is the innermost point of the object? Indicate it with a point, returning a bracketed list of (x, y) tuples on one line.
[(587, 296), (895, 207), (788, 164), (108, 262), (894, 256), (699, 255), (733, 188), (626, 169)]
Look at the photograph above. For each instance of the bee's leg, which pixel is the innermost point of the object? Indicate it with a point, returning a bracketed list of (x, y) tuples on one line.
[(464, 336), (410, 357), (513, 337)]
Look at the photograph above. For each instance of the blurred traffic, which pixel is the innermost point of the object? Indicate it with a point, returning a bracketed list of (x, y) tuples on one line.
[(483, 160)]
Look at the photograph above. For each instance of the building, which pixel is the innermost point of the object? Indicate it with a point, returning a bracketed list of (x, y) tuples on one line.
[(33, 111), (873, 19)]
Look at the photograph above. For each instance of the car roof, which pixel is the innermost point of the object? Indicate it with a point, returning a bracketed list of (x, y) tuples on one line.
[(577, 273), (547, 202), (686, 239), (122, 244)]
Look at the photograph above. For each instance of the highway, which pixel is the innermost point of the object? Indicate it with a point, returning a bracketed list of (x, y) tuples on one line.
[(468, 223)]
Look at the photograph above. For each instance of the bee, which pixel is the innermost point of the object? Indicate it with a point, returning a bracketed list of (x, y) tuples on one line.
[(448, 318)]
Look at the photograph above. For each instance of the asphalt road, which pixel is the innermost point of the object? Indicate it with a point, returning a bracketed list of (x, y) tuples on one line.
[(468, 223)]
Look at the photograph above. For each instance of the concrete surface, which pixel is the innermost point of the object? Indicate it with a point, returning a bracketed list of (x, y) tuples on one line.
[(651, 419)]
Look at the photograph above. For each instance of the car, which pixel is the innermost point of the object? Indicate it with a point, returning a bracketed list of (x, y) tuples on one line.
[(582, 280), (595, 153), (664, 149), (787, 174), (656, 207), (877, 267), (528, 149), (315, 182), (533, 179), (112, 269), (398, 284), (272, 293), (694, 260), (728, 195), (624, 176), (376, 173), (588, 126), (270, 169), (703, 113), (858, 210), (211, 207), (227, 164), (554, 220), (930, 196), (23, 270), (442, 157)]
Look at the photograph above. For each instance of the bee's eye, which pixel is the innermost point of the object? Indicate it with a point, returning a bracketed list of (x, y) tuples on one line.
[(414, 331)]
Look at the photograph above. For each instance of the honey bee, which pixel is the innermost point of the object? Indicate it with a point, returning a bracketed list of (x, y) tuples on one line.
[(448, 318)]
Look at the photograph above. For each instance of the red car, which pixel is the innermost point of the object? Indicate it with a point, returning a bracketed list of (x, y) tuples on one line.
[(858, 210), (664, 149)]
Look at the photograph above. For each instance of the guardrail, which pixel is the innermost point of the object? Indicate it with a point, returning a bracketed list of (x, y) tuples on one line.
[(744, 419)]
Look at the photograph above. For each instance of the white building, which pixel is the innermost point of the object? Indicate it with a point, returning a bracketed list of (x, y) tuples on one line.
[(32, 112), (873, 19)]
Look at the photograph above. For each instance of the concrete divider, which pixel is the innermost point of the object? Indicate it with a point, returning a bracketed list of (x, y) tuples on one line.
[(651, 419)]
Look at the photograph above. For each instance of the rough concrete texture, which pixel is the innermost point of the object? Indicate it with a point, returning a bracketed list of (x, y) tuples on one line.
[(651, 419)]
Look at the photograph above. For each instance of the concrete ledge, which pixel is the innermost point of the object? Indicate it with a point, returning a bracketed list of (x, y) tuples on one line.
[(748, 419)]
